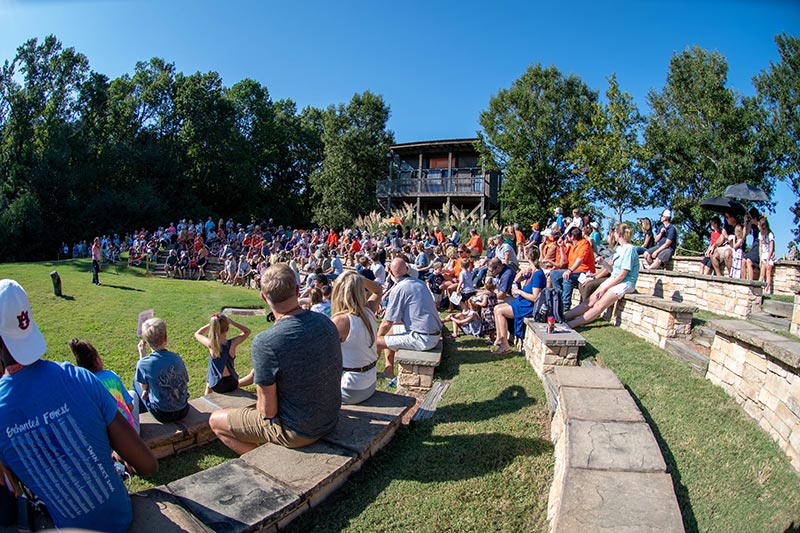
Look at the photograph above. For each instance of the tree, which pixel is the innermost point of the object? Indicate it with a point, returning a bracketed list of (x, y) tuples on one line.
[(527, 133), (701, 137), (356, 144), (609, 154), (779, 89)]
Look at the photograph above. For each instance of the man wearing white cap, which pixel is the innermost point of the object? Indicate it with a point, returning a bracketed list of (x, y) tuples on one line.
[(666, 242), (58, 426)]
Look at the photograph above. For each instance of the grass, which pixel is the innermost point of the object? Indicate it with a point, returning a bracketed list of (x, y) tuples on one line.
[(484, 462), (780, 298), (728, 474)]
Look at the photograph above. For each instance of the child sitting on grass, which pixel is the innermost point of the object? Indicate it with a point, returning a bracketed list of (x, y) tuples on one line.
[(487, 299), (161, 381), (469, 321)]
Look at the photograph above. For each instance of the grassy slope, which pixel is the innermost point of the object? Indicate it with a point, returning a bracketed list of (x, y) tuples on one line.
[(484, 463), (728, 474)]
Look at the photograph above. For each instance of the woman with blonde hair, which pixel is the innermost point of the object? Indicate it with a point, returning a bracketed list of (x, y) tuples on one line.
[(222, 376), (621, 282), (354, 316)]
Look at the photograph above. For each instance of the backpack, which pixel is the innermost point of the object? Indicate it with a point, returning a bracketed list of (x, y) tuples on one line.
[(547, 304)]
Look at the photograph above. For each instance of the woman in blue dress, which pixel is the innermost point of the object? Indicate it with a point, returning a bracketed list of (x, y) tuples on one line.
[(533, 281)]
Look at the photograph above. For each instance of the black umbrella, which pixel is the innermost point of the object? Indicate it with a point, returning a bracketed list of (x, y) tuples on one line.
[(723, 205), (745, 191)]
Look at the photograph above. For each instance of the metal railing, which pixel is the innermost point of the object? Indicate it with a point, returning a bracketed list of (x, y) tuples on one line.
[(471, 185)]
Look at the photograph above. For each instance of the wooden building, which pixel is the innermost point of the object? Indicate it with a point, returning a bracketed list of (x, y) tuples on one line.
[(433, 174)]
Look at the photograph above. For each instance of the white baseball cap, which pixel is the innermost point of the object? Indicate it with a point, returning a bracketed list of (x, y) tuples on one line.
[(666, 213), (20, 333)]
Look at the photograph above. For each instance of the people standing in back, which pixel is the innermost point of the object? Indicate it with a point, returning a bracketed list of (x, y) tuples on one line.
[(97, 257)]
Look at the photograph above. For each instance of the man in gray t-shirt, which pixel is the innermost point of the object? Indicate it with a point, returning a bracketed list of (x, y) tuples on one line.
[(411, 320), (298, 367)]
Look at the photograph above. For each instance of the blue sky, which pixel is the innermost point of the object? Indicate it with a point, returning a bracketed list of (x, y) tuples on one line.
[(437, 64)]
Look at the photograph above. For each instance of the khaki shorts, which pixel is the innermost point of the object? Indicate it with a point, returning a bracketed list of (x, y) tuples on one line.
[(247, 425)]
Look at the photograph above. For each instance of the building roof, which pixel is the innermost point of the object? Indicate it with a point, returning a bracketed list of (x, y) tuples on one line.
[(445, 145)]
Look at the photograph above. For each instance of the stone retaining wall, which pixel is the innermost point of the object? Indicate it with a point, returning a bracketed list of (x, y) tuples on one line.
[(785, 274), (732, 297), (761, 370), (794, 327), (609, 472), (653, 319), (544, 350)]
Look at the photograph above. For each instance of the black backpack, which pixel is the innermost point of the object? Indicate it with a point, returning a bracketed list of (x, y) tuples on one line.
[(548, 304)]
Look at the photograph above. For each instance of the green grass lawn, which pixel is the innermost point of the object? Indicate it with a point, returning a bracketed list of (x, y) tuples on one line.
[(728, 474), (484, 462)]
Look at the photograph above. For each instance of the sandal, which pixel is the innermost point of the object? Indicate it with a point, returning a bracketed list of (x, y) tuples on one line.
[(501, 351)]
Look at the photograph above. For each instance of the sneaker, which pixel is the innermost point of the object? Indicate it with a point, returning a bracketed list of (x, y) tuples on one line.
[(392, 383)]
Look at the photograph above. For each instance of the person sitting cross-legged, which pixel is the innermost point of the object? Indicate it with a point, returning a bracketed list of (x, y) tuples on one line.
[(580, 259), (297, 366)]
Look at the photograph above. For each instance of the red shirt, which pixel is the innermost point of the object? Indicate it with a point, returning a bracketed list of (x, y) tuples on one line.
[(477, 243)]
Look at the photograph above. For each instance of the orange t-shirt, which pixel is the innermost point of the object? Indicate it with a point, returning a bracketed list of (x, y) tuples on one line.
[(520, 238), (333, 239), (356, 246), (477, 243), (439, 237), (581, 248)]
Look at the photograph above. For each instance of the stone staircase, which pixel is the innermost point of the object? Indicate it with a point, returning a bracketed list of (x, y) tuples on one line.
[(213, 267)]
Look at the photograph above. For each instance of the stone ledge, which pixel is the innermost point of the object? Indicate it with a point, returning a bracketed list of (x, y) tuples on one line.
[(412, 357), (595, 500), (620, 446), (561, 336), (703, 277), (660, 303), (785, 350), (598, 405), (585, 377)]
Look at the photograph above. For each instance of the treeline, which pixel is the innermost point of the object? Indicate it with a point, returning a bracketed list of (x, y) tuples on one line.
[(81, 154), (559, 145)]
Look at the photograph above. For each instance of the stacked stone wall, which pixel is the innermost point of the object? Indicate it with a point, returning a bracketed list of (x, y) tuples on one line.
[(651, 320), (785, 274)]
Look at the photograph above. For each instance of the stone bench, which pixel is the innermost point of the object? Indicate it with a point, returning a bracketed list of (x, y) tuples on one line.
[(544, 350), (415, 369), (267, 488), (653, 319), (785, 273), (761, 371), (192, 430), (733, 297), (609, 472)]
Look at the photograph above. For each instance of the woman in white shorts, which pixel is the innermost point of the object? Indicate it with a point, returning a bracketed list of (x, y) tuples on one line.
[(621, 282)]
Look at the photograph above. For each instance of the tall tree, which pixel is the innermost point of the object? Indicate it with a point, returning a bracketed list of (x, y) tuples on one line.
[(527, 133), (609, 154), (356, 144), (779, 89), (701, 137)]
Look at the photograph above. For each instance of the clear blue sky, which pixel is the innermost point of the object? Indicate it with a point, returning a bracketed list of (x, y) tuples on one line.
[(436, 63)]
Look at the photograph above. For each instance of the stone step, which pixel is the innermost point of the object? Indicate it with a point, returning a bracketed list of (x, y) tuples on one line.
[(703, 336), (769, 322), (692, 354), (428, 405), (777, 308)]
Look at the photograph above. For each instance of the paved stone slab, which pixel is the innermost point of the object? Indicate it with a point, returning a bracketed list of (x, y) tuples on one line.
[(626, 446), (233, 497), (236, 399), (596, 500), (562, 335), (304, 470), (383, 404), (777, 346), (586, 377), (355, 431), (661, 303), (158, 510), (156, 434), (603, 405), (412, 357), (195, 420)]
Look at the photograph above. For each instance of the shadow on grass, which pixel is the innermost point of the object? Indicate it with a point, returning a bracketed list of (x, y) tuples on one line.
[(470, 351), (121, 287), (418, 455), (681, 492)]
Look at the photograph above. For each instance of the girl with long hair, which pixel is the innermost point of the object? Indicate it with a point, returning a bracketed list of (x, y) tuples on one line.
[(222, 376), (354, 316)]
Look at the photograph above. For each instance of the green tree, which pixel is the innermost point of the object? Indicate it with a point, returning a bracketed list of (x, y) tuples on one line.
[(527, 133), (701, 137), (779, 89), (609, 154), (356, 143)]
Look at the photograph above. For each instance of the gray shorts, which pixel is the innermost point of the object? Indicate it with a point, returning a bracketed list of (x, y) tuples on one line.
[(664, 256)]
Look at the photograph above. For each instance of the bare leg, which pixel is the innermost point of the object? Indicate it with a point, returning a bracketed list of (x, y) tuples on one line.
[(388, 369), (247, 380), (220, 426), (501, 313), (606, 301), (715, 264)]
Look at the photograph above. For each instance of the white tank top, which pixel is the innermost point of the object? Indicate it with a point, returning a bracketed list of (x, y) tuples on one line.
[(358, 350)]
